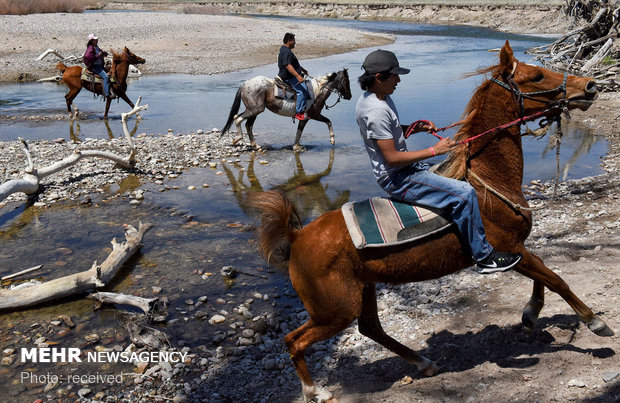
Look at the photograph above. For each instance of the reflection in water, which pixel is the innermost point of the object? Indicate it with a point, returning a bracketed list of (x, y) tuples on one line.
[(581, 140), (74, 131), (74, 135), (307, 192), (28, 216)]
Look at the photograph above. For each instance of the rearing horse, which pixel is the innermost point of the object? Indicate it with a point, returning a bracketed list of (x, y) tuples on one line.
[(72, 77), (260, 92), (336, 281)]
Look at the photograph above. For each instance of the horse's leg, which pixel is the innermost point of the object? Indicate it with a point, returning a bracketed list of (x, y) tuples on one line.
[(535, 304), (108, 100), (370, 326), (70, 96), (298, 341), (247, 114), (249, 124), (300, 128), (124, 97), (533, 267), (321, 118)]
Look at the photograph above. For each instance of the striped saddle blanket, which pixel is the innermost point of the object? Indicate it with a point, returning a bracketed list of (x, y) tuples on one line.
[(379, 221)]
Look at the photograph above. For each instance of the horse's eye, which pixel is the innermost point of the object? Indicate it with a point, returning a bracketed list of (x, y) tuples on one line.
[(538, 77)]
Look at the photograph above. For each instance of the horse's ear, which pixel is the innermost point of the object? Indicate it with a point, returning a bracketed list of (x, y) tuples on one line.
[(506, 58)]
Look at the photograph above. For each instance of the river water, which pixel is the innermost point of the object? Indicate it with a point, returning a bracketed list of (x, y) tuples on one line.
[(184, 257)]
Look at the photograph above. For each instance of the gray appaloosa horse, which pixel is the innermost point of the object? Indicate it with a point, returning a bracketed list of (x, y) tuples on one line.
[(261, 92)]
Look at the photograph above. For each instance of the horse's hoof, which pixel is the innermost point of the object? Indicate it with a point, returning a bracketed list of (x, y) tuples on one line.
[(430, 369), (599, 327), (333, 141), (529, 319), (236, 140), (298, 149)]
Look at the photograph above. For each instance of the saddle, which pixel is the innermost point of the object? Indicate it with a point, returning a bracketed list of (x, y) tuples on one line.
[(379, 222), (91, 77), (283, 89)]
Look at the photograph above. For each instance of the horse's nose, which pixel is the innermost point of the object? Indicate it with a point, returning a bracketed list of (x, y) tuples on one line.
[(591, 89)]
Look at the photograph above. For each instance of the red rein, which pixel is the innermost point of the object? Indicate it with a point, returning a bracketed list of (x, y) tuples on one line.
[(521, 120)]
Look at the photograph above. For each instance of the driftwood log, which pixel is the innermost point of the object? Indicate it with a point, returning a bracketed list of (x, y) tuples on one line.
[(31, 294), (30, 181), (155, 309), (593, 48)]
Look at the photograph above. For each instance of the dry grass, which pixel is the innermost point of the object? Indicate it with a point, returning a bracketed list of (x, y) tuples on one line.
[(21, 7)]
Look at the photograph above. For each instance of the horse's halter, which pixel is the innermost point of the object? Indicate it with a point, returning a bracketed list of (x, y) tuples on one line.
[(519, 96), (333, 91)]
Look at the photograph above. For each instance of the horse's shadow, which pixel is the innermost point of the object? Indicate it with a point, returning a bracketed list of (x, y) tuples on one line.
[(509, 347)]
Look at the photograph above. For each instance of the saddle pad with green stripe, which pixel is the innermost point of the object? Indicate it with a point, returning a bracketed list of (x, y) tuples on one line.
[(379, 221)]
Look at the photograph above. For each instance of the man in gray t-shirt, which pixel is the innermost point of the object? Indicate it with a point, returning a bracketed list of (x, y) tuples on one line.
[(402, 174)]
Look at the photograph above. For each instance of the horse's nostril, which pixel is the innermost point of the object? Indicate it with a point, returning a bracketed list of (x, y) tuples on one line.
[(591, 88)]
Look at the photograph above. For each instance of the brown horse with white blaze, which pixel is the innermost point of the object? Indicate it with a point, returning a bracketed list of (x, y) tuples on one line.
[(336, 281), (72, 77)]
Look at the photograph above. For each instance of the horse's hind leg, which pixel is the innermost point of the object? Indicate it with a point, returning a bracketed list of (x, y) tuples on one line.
[(370, 326), (298, 341), (249, 124), (533, 267)]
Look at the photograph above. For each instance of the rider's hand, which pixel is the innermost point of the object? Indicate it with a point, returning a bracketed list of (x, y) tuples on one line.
[(444, 145), (430, 127), (300, 79)]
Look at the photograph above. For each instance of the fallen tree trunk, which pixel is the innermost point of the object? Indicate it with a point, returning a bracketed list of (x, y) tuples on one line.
[(29, 183), (154, 309), (79, 283)]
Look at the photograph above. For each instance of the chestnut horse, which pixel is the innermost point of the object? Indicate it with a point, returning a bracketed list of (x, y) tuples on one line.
[(259, 93), (336, 282), (72, 77)]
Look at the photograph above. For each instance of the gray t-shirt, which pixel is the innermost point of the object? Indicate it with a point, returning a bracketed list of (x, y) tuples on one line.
[(378, 120)]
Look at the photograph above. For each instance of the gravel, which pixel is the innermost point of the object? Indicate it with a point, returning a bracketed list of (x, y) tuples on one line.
[(170, 42)]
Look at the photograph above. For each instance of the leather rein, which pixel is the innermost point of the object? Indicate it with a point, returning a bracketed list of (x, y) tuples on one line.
[(553, 113)]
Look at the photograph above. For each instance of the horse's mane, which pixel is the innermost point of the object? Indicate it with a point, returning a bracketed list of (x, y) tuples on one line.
[(116, 55), (455, 164)]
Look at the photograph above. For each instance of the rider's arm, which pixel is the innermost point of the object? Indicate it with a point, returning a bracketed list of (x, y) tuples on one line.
[(291, 70), (397, 158)]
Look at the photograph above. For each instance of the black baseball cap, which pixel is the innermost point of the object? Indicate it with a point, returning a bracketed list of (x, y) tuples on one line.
[(381, 61)]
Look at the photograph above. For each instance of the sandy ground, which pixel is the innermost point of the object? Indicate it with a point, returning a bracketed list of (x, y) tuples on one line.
[(170, 42), (484, 353)]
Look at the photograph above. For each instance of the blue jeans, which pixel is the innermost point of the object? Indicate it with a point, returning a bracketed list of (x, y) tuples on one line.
[(98, 69), (302, 94), (456, 199)]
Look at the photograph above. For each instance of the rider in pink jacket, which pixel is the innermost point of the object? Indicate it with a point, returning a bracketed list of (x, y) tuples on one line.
[(93, 59)]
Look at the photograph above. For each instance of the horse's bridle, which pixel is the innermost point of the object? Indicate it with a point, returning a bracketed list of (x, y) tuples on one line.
[(555, 107), (519, 96)]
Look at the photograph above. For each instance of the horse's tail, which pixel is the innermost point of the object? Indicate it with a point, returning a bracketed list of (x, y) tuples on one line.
[(233, 111), (61, 67), (279, 224)]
